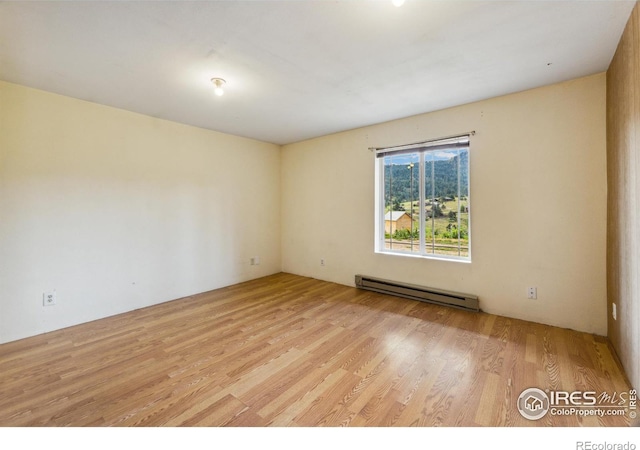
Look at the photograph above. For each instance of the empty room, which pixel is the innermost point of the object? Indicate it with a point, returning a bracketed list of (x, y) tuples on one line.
[(320, 214)]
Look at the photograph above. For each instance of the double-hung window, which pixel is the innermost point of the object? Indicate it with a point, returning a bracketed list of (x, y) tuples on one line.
[(423, 203)]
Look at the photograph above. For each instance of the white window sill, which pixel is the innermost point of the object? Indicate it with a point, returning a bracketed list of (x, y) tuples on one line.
[(418, 256)]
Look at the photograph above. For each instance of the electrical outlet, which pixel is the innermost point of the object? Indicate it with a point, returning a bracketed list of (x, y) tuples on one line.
[(255, 261), (322, 261), (532, 293), (614, 311), (49, 298)]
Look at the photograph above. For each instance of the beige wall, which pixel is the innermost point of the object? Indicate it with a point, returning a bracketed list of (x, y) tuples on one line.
[(116, 211), (538, 189), (623, 164)]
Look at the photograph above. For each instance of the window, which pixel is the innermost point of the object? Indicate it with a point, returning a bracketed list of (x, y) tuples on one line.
[(423, 204)]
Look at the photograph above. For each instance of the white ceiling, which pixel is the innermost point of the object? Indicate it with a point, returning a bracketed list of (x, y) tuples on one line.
[(301, 69)]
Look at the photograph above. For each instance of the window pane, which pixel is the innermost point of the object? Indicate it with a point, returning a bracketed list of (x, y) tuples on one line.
[(429, 194), (401, 202), (446, 204), (463, 213)]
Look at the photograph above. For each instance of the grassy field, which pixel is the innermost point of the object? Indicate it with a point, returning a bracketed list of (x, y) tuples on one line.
[(440, 222)]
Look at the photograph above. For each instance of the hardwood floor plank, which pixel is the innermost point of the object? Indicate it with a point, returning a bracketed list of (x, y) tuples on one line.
[(219, 413), (287, 417), (416, 399), (325, 407), (485, 414)]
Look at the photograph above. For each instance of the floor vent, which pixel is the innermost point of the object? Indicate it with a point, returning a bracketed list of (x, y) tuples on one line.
[(424, 294)]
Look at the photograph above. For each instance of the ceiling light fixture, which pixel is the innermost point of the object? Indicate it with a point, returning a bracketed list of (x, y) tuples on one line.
[(397, 3), (218, 83)]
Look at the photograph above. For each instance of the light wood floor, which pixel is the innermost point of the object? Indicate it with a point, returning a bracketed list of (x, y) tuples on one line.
[(291, 351)]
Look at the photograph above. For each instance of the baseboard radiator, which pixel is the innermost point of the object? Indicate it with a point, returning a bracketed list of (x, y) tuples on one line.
[(421, 293)]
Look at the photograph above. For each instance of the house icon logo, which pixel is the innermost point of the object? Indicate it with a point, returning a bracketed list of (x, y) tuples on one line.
[(533, 404)]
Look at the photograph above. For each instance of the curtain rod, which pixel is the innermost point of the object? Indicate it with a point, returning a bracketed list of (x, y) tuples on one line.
[(468, 133)]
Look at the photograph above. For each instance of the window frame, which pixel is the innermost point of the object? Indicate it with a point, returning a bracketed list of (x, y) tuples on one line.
[(422, 149)]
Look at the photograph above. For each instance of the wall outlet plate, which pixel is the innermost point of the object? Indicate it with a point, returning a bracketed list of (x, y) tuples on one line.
[(49, 298), (532, 293)]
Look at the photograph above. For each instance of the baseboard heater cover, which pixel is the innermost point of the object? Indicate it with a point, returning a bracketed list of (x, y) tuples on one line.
[(421, 293)]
